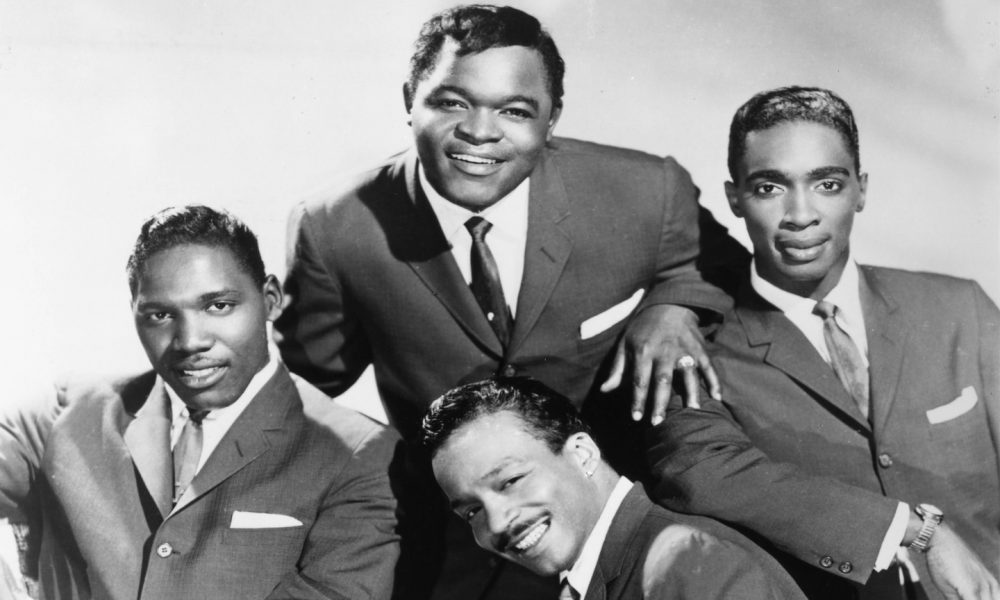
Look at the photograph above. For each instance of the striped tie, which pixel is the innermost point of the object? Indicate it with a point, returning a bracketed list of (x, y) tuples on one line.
[(845, 358)]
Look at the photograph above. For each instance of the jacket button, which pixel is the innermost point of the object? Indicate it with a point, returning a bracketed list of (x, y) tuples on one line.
[(164, 550), (826, 561), (845, 567), (884, 460), (509, 371)]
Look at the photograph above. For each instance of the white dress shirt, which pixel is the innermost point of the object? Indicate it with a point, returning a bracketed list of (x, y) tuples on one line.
[(846, 296), (506, 239), (582, 571), (218, 421)]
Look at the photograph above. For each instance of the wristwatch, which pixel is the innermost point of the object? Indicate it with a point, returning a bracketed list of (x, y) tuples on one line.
[(932, 517)]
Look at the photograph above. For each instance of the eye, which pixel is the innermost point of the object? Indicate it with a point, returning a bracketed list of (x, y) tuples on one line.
[(470, 513), (517, 113), (157, 317), (448, 104), (831, 185), (220, 308), (511, 481), (766, 189)]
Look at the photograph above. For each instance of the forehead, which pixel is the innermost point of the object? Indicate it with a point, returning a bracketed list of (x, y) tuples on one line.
[(191, 270), (480, 447), (494, 70), (796, 146)]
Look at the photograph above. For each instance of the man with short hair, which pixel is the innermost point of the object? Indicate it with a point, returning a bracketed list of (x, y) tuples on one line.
[(492, 247), (860, 404), (520, 466), (217, 475)]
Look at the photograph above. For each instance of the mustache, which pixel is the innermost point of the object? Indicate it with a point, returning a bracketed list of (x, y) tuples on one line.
[(505, 540)]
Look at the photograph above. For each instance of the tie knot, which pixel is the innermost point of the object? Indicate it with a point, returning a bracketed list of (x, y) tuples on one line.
[(197, 416), (825, 309), (478, 227)]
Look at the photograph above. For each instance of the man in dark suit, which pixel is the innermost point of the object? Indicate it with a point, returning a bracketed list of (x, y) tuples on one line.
[(860, 403), (217, 475), (492, 247), (519, 465)]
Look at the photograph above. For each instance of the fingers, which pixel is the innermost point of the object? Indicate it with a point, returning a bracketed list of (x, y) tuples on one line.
[(641, 369), (690, 386), (617, 369), (661, 393), (711, 377)]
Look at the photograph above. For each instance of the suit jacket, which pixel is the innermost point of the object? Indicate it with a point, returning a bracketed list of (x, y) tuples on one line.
[(788, 456), (372, 280), (652, 553), (97, 481)]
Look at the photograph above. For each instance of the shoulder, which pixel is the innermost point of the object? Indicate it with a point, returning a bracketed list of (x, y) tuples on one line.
[(569, 151), (924, 294), (340, 425), (130, 390), (901, 279)]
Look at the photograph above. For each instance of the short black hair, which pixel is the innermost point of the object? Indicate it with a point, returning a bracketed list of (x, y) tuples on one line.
[(794, 103), (550, 416), (200, 226), (479, 27)]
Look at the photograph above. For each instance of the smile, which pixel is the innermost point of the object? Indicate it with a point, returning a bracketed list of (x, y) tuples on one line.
[(200, 378), (531, 538), (475, 160), (801, 250)]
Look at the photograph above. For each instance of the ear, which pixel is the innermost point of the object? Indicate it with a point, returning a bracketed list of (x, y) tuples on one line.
[(583, 450), (272, 297), (407, 98), (732, 194), (553, 119), (863, 188)]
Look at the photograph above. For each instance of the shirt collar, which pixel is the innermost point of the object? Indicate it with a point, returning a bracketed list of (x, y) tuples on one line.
[(178, 409), (845, 295), (509, 215), (582, 571)]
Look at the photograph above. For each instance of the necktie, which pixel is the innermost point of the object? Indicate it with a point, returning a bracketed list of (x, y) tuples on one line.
[(844, 356), (486, 280), (566, 592), (187, 452)]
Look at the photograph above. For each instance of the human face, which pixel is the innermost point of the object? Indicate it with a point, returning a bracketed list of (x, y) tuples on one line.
[(523, 501), (202, 321), (480, 122), (798, 192)]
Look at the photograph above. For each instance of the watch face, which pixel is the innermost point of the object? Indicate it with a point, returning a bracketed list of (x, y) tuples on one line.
[(929, 510)]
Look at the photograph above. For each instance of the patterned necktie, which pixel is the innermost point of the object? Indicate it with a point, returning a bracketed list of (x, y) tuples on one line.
[(187, 452), (486, 281), (566, 592), (844, 356)]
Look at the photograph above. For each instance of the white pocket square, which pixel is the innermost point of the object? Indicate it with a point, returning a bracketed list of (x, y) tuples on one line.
[(956, 408), (256, 520), (603, 321)]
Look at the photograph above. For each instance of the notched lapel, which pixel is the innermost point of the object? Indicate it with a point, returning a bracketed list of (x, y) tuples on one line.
[(887, 335), (789, 351), (246, 440), (147, 437), (547, 249), (417, 240)]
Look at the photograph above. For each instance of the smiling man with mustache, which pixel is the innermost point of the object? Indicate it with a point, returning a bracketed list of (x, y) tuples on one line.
[(521, 468), (860, 403)]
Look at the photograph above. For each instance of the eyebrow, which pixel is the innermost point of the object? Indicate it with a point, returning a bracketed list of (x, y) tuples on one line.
[(488, 475), (516, 98), (206, 298), (817, 173)]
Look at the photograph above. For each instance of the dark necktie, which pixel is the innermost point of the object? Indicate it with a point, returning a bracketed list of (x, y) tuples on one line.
[(187, 452), (486, 281), (844, 356), (566, 592)]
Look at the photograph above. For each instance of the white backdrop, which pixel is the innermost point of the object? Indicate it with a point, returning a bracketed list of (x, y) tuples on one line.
[(112, 109)]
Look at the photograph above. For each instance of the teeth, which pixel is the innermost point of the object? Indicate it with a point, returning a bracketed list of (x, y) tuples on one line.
[(200, 372), (475, 159), (532, 538)]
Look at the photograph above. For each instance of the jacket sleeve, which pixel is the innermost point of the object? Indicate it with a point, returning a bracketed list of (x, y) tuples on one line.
[(703, 463), (25, 424), (352, 548), (697, 261), (319, 336), (988, 318)]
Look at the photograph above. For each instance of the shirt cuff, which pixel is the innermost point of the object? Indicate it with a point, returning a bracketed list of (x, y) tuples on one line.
[(893, 537)]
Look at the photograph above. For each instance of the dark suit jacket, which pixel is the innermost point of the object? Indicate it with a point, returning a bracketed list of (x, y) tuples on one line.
[(97, 481), (372, 280), (788, 456), (654, 554)]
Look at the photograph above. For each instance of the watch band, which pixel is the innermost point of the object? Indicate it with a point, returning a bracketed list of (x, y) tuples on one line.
[(932, 517)]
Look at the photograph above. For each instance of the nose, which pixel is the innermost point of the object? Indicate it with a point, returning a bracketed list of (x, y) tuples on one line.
[(191, 335), (499, 516), (800, 212), (479, 127)]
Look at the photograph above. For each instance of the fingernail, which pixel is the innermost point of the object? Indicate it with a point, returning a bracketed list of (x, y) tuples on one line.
[(657, 420), (717, 396), (636, 415)]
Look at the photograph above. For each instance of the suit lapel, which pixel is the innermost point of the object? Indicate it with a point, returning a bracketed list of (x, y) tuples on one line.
[(147, 438), (421, 244), (789, 351), (246, 440), (886, 338), (615, 552), (547, 249)]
